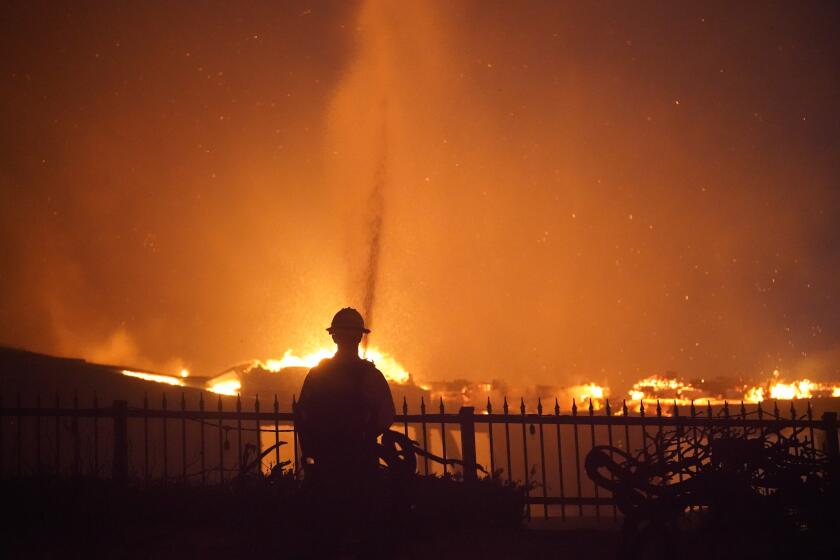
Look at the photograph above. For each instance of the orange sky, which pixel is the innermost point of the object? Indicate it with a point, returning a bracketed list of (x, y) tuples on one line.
[(570, 192)]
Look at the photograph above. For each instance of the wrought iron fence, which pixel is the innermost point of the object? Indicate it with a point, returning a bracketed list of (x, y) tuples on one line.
[(218, 439)]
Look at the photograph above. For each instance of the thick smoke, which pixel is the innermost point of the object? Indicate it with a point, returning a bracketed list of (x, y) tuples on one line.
[(570, 192)]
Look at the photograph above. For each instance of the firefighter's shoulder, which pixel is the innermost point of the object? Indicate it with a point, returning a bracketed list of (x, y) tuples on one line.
[(369, 366), (322, 367)]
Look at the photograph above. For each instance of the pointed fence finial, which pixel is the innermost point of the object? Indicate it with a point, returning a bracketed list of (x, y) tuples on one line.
[(676, 411), (257, 402), (441, 405), (725, 408), (692, 410), (276, 404), (238, 402), (505, 405), (760, 410), (743, 410), (591, 407), (539, 406), (574, 407), (183, 401), (709, 408), (405, 406), (522, 406), (607, 409), (658, 409), (489, 406), (792, 410), (422, 405), (641, 407), (556, 407)]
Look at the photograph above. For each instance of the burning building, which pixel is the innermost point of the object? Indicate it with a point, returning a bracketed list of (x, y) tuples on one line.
[(554, 202)]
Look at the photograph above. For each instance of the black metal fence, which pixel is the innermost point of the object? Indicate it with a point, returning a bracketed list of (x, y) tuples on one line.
[(217, 439)]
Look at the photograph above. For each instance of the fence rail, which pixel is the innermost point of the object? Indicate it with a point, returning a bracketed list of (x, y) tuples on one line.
[(211, 444)]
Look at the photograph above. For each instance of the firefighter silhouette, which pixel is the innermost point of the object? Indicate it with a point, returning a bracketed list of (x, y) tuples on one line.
[(345, 404)]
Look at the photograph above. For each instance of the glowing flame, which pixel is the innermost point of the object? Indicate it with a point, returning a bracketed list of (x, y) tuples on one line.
[(754, 395), (157, 378), (670, 390), (390, 368), (229, 387), (667, 389), (797, 389), (291, 360), (583, 394)]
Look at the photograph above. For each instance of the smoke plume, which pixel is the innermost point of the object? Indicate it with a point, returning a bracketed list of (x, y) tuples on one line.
[(377, 211), (554, 192)]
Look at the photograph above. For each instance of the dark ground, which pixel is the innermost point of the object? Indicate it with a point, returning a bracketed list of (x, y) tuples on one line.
[(220, 542), (267, 519)]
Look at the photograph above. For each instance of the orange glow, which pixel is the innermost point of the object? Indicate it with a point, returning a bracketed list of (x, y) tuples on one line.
[(157, 378), (795, 390), (668, 390), (754, 395), (556, 206), (231, 384), (775, 388), (225, 385), (583, 394), (390, 368)]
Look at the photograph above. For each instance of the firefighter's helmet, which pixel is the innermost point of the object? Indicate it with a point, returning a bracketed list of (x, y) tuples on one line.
[(349, 319)]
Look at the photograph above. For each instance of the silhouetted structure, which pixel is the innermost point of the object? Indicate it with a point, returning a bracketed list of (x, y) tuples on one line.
[(757, 489), (186, 436)]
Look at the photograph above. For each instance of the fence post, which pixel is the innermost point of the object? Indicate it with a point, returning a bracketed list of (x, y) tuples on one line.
[(467, 421), (829, 420), (120, 464)]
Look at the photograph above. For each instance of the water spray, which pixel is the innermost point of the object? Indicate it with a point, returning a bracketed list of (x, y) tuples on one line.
[(376, 204)]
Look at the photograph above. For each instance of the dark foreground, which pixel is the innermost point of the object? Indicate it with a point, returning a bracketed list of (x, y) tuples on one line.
[(264, 518), (275, 518)]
